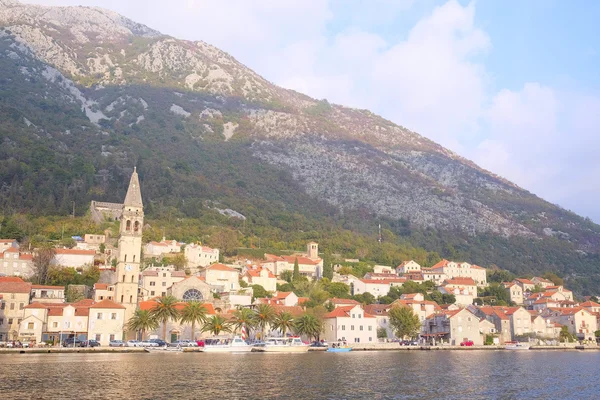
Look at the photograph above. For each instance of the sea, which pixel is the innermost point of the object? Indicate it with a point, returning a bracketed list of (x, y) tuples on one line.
[(475, 374)]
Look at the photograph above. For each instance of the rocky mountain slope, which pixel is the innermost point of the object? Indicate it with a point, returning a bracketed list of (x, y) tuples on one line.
[(101, 92)]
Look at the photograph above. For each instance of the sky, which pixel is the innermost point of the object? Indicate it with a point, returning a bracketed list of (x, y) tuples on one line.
[(512, 85)]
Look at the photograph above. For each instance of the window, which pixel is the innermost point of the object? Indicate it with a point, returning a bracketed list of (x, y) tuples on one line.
[(30, 325), (331, 326), (152, 283), (152, 293), (98, 337), (343, 327), (99, 315), (361, 328), (353, 315), (192, 295), (112, 337), (370, 327), (164, 283), (131, 299), (359, 315), (67, 324), (113, 315), (356, 340), (1, 321), (370, 339), (21, 305), (55, 324), (164, 293), (164, 274), (10, 321), (12, 306), (132, 277), (351, 327)]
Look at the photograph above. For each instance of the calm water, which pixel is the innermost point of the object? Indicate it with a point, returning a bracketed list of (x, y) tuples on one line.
[(355, 375)]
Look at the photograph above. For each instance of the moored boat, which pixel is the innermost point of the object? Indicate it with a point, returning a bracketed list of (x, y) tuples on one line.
[(339, 349), (516, 346), (165, 349), (282, 345), (235, 345)]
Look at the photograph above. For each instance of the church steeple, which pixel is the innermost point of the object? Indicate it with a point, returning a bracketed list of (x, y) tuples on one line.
[(134, 195)]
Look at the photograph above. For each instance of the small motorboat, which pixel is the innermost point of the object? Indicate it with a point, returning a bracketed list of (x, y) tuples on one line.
[(164, 349), (516, 346), (339, 349), (282, 345), (235, 345)]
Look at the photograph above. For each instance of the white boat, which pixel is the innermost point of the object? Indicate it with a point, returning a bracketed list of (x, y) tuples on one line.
[(516, 346), (164, 349), (282, 345), (235, 345)]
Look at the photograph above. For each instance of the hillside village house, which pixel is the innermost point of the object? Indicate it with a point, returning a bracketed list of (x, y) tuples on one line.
[(287, 299), (525, 284), (6, 244), (200, 256), (544, 327), (383, 269), (47, 294), (380, 276), (536, 280), (377, 287), (464, 289), (309, 264), (86, 319), (159, 249), (74, 258), (514, 291), (222, 277), (13, 262), (103, 291), (15, 296), (381, 314), (462, 270), (453, 327), (260, 276), (350, 324), (579, 321), (436, 276), (498, 317), (156, 280), (408, 267)]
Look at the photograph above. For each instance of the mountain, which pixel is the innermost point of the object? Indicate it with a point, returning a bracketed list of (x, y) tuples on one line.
[(86, 93)]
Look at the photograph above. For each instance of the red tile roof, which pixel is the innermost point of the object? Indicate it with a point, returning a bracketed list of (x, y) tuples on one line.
[(336, 300), (221, 267), (10, 279), (101, 286), (15, 287), (107, 304), (256, 273), (47, 287), (461, 281)]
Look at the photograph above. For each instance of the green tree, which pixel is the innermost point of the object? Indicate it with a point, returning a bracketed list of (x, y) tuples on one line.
[(296, 274), (339, 290), (365, 298), (73, 295), (259, 292), (565, 335), (286, 276), (244, 317), (308, 325), (551, 276), (216, 324), (42, 260), (284, 321), (179, 261), (265, 315), (404, 322), (327, 266), (141, 322), (164, 311), (381, 333), (193, 312)]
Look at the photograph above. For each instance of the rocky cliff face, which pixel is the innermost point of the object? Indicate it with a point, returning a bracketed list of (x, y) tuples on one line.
[(100, 62)]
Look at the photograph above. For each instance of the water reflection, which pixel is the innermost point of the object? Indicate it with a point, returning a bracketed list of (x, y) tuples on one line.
[(355, 375)]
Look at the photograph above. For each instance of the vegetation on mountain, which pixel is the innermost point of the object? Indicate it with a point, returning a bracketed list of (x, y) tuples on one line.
[(207, 135)]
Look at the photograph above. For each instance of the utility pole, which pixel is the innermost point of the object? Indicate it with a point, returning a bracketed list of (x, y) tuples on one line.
[(73, 216)]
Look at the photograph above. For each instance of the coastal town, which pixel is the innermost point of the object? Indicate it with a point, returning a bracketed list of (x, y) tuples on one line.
[(274, 296)]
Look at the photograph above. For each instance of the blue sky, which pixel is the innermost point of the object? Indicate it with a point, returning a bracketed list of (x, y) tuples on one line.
[(512, 85)]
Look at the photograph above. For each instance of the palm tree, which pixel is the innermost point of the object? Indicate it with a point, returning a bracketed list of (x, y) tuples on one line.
[(164, 310), (193, 311), (308, 325), (142, 321), (283, 321), (265, 314), (215, 325), (243, 317)]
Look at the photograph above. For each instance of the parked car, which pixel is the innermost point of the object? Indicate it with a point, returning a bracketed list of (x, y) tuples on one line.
[(405, 343), (184, 343), (200, 343), (319, 344), (148, 343), (71, 342), (89, 343), (159, 342), (467, 343), (116, 343), (133, 343)]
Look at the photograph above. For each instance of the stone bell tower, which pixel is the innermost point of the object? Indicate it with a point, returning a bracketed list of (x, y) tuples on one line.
[(130, 248)]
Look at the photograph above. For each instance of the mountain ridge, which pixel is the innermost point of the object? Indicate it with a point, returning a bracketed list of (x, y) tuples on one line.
[(147, 96)]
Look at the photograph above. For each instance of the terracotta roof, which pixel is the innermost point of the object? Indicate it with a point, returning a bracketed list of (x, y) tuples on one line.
[(12, 250), (476, 266), (7, 240), (460, 281), (149, 273), (15, 287), (107, 304), (377, 309), (336, 300), (343, 311), (101, 286), (301, 260), (256, 273), (296, 311), (178, 274), (525, 281), (75, 252), (589, 303), (441, 264), (281, 295), (302, 300), (47, 287), (221, 267), (383, 281), (10, 279)]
